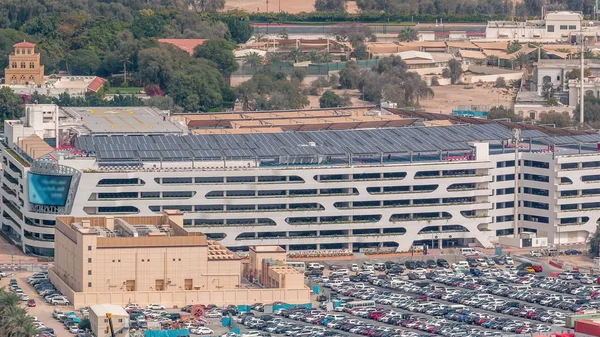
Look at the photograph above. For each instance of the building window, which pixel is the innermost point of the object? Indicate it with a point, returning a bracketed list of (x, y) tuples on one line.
[(14, 65), (31, 65), (89, 272), (180, 259), (120, 260), (143, 260), (120, 320), (89, 247), (550, 28), (22, 64), (558, 79), (18, 51), (572, 27), (106, 320), (89, 260), (532, 115), (89, 284), (113, 261), (563, 27), (29, 51)]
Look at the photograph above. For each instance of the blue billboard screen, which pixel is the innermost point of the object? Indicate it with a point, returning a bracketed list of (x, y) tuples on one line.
[(48, 189)]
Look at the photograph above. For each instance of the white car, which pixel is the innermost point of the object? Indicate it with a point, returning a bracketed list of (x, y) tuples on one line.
[(155, 306), (202, 331), (354, 267), (251, 333), (59, 301), (73, 329), (213, 314)]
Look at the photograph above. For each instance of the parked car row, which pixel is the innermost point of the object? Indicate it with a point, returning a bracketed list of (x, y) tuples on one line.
[(70, 320), (43, 286), (417, 298), (266, 325)]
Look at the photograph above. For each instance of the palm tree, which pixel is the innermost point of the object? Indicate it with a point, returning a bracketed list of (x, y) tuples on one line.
[(295, 54), (407, 34), (253, 59), (521, 59), (14, 320), (272, 58), (284, 34), (259, 37)]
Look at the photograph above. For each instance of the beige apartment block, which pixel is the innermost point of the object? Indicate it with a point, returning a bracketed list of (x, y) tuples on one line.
[(148, 259)]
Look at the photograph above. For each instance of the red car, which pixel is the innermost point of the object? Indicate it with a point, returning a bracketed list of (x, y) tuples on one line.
[(31, 303), (537, 268)]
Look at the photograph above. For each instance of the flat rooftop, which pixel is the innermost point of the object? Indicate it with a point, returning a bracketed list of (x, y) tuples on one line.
[(124, 120), (372, 142)]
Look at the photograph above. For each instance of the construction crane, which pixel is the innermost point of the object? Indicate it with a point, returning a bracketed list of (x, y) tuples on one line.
[(110, 324)]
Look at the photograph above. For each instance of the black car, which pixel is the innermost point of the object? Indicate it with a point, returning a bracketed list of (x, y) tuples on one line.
[(572, 252), (421, 264), (410, 265), (472, 263), (431, 264), (395, 270), (443, 263)]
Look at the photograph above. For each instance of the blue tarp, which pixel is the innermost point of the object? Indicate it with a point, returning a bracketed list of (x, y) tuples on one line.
[(167, 333), (291, 306)]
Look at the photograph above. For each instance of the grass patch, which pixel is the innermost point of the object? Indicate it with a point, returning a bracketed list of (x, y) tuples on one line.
[(17, 157), (125, 91)]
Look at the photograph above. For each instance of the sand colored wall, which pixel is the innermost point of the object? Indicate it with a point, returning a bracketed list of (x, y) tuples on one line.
[(181, 298), (100, 324)]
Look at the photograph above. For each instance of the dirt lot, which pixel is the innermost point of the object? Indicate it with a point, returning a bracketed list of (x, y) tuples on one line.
[(289, 6), (449, 96)]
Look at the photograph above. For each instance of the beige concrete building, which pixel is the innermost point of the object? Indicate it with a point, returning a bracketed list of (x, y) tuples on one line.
[(24, 65), (153, 259), (268, 266), (99, 320)]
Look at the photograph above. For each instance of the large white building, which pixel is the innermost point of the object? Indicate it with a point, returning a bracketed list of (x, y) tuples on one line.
[(556, 26), (352, 189)]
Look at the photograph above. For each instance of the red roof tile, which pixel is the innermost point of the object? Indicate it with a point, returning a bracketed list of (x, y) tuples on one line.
[(24, 44), (187, 45), (96, 84)]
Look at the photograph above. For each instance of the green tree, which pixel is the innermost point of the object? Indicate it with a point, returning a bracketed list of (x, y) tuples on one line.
[(503, 113), (14, 320), (85, 324), (407, 34), (500, 82), (330, 99), (197, 88), (295, 54), (155, 66), (284, 34), (595, 242), (11, 106), (220, 51), (253, 59), (211, 6), (560, 120), (522, 60), (330, 5), (239, 27), (453, 72), (83, 62), (548, 90), (575, 74)]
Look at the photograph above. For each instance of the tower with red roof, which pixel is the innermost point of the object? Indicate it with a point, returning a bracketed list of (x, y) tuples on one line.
[(24, 66)]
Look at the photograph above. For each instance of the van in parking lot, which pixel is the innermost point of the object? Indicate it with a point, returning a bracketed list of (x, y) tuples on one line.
[(460, 264), (522, 287), (468, 251)]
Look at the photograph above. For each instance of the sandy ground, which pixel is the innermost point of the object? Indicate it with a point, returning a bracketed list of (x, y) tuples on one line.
[(289, 6), (449, 96), (10, 253)]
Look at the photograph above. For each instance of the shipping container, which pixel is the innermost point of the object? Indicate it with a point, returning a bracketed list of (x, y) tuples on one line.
[(588, 327)]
